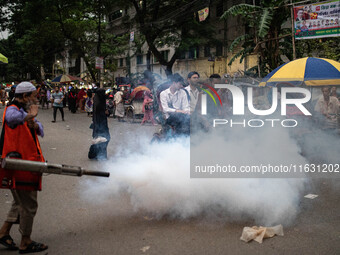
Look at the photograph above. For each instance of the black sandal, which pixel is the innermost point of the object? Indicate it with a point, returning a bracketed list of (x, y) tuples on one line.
[(34, 247), (10, 245)]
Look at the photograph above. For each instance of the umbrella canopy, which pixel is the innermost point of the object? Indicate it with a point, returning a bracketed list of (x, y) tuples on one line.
[(3, 59), (307, 71), (138, 89), (66, 78)]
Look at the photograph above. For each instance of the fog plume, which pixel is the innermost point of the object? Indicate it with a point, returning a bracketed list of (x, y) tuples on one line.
[(157, 178)]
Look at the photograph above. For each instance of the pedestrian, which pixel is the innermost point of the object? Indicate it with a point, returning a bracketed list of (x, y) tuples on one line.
[(110, 106), (148, 108), (100, 128), (57, 100), (72, 100), (89, 102), (19, 135), (3, 96), (119, 102), (11, 93), (65, 99), (48, 94), (327, 109), (43, 96), (81, 99)]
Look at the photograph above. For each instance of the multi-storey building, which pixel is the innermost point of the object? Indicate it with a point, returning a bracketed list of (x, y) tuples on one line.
[(206, 59)]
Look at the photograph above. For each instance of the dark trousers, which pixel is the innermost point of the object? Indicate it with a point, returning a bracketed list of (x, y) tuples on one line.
[(55, 112), (98, 151), (72, 105), (180, 121)]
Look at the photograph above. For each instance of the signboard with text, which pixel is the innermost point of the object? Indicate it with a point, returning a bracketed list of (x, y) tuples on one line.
[(99, 62), (317, 20)]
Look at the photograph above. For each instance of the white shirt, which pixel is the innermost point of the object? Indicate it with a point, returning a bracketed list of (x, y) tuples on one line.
[(118, 97), (330, 110), (172, 102), (193, 97)]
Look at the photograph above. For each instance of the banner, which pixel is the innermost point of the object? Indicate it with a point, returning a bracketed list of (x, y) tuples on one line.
[(317, 20), (99, 63), (132, 36), (203, 14)]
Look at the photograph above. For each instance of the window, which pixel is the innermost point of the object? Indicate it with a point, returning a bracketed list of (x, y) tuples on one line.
[(165, 54), (182, 55), (115, 15), (139, 59), (121, 62), (193, 53), (127, 61), (219, 50), (206, 51)]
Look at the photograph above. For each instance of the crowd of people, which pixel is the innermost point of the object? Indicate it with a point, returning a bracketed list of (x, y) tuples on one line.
[(178, 102)]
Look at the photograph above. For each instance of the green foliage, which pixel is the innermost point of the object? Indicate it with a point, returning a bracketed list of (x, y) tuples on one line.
[(238, 40), (265, 20), (43, 29), (323, 48), (265, 32), (245, 10)]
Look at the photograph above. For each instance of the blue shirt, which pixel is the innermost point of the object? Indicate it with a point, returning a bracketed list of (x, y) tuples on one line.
[(15, 117), (58, 99)]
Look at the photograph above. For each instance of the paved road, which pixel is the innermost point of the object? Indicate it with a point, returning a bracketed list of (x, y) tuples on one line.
[(70, 224)]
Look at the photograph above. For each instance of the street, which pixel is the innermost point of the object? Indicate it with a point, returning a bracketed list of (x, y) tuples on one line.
[(71, 223)]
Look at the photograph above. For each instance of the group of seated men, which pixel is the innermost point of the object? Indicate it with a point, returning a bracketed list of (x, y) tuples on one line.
[(180, 101)]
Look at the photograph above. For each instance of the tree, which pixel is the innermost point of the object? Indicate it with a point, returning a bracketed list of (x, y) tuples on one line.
[(170, 23), (322, 47), (265, 35), (42, 29), (32, 43)]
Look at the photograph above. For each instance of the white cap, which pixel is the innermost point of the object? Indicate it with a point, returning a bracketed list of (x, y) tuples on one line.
[(24, 87)]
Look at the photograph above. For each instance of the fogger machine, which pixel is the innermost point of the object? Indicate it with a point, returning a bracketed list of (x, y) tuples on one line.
[(26, 174)]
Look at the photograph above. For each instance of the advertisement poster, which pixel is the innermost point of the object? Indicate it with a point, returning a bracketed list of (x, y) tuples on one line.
[(317, 20), (99, 62), (132, 36)]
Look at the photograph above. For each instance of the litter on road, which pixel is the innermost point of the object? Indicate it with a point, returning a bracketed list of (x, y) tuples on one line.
[(259, 233), (145, 248), (311, 196)]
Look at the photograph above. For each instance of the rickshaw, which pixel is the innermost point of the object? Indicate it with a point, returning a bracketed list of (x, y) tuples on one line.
[(134, 105)]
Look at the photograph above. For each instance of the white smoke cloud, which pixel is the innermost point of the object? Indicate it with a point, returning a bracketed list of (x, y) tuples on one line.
[(157, 179)]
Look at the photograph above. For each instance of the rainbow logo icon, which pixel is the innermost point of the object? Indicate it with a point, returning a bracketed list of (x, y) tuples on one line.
[(211, 95)]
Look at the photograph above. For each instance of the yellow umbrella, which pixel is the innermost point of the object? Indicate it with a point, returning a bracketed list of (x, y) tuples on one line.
[(3, 59), (308, 71)]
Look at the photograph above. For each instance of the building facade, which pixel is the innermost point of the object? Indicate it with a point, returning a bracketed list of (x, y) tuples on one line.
[(205, 59)]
